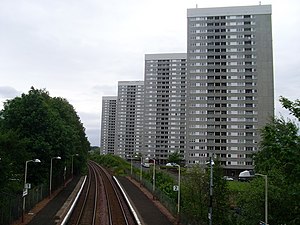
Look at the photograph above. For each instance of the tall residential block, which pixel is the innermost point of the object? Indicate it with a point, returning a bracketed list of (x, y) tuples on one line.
[(129, 122), (165, 105), (230, 83), (108, 124)]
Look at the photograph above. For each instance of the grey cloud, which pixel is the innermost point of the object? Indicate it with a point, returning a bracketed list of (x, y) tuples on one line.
[(106, 89), (91, 123), (93, 136), (8, 92)]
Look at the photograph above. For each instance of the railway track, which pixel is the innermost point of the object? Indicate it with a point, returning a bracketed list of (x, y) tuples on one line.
[(101, 202)]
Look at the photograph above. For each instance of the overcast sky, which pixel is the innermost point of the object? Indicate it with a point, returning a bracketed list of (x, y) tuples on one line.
[(80, 49)]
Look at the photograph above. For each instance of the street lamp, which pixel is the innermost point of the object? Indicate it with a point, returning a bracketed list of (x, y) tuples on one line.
[(266, 195), (72, 170), (141, 170), (211, 163), (178, 201), (153, 178), (50, 182), (26, 186), (131, 165), (127, 156)]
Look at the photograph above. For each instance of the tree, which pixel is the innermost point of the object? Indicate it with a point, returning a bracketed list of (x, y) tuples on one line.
[(195, 195), (176, 157), (293, 107), (36, 125), (9, 166), (279, 159)]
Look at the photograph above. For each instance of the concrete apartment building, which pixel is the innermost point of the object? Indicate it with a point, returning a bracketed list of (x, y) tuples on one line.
[(210, 101), (129, 121), (165, 105), (230, 83), (108, 124)]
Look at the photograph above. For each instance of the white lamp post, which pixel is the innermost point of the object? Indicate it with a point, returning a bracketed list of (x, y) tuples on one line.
[(154, 162), (72, 169), (266, 195), (50, 182), (131, 165), (26, 186), (127, 156), (211, 163), (141, 170), (178, 201)]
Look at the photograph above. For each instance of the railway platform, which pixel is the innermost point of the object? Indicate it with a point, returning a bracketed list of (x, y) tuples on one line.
[(44, 212), (148, 210)]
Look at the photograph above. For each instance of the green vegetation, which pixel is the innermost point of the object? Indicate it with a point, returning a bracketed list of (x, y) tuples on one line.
[(242, 203), (176, 157), (194, 186), (36, 125), (279, 159), (122, 167)]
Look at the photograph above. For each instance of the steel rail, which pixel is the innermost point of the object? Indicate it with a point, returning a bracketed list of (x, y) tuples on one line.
[(92, 175), (107, 177)]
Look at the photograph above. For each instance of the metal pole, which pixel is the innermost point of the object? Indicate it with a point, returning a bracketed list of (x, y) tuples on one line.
[(141, 170), (24, 196), (72, 156), (72, 167), (266, 196), (50, 182), (266, 199), (153, 176), (131, 165), (210, 192), (178, 205)]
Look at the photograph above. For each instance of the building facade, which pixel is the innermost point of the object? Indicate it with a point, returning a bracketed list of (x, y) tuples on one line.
[(108, 124), (129, 123), (230, 83), (165, 105)]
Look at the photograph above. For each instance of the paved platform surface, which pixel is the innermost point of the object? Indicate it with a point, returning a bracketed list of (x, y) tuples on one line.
[(47, 214), (148, 211)]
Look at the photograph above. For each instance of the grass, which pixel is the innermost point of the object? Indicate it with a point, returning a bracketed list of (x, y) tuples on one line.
[(237, 186)]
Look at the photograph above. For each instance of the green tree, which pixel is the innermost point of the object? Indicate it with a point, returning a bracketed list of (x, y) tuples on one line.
[(36, 125), (9, 164), (195, 196), (279, 159), (176, 157), (194, 192), (293, 107), (221, 209)]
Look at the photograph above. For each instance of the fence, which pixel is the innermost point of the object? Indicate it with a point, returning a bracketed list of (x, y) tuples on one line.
[(11, 205), (169, 203)]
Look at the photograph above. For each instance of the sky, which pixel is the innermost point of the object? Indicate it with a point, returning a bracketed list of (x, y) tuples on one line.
[(79, 50)]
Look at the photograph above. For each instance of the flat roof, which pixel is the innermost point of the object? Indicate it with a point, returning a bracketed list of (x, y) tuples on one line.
[(226, 11), (109, 97), (131, 82), (165, 56)]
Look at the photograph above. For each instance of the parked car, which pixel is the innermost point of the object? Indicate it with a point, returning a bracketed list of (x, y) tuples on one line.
[(171, 164), (246, 175), (228, 178), (146, 165)]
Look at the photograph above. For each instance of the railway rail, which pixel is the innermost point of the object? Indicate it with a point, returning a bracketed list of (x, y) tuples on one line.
[(101, 201)]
